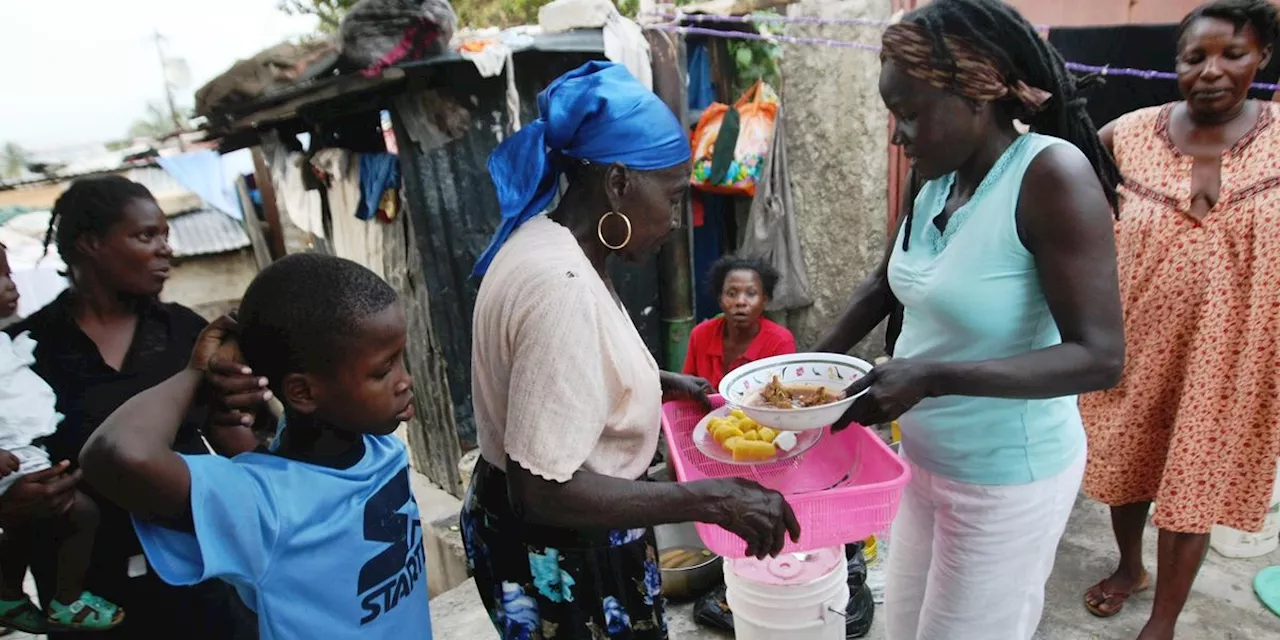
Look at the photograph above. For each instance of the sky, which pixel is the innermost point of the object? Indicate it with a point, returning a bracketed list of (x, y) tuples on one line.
[(76, 72)]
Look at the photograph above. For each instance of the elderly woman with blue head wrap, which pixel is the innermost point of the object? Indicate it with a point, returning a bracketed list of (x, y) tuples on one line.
[(557, 523)]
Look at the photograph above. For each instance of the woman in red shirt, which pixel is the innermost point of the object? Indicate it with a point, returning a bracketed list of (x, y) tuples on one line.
[(742, 334)]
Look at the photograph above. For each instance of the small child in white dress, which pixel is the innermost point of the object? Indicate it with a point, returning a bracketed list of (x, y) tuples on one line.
[(28, 413)]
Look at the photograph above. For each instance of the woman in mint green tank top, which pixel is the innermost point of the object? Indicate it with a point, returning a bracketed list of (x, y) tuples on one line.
[(1005, 271)]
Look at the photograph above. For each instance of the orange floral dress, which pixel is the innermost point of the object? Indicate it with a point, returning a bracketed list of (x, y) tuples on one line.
[(1195, 423)]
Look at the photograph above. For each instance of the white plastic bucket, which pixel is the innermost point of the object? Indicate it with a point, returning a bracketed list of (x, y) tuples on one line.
[(788, 598), (1240, 544)]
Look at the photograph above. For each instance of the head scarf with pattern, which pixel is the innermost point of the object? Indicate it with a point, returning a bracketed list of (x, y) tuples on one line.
[(974, 75)]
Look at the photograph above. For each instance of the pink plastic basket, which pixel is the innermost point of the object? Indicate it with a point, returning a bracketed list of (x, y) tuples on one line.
[(843, 490)]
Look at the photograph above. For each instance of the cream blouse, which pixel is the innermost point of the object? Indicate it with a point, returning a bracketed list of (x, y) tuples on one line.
[(560, 378)]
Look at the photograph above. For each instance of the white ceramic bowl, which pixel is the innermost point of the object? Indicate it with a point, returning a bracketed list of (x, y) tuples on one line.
[(833, 370)]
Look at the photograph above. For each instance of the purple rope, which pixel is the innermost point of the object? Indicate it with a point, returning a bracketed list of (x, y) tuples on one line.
[(1145, 74), (811, 20), (822, 42)]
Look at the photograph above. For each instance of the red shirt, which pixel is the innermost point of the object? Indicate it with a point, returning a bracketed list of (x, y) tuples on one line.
[(706, 348)]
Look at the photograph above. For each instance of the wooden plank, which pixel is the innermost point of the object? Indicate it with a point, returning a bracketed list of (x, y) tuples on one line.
[(252, 226), (433, 433), (338, 88), (262, 177)]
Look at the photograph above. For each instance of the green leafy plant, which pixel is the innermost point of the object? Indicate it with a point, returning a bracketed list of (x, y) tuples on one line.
[(755, 59)]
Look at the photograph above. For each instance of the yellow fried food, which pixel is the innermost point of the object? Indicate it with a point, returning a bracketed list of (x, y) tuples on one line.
[(753, 451), (737, 413), (767, 434), (731, 443), (724, 433), (751, 435)]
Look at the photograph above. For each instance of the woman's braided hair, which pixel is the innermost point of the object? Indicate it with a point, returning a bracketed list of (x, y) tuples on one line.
[(1022, 54), (89, 207)]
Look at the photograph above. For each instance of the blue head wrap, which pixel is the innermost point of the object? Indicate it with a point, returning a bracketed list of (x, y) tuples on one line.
[(598, 112)]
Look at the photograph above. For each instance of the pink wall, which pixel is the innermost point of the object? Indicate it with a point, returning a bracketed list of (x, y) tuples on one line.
[(1058, 13)]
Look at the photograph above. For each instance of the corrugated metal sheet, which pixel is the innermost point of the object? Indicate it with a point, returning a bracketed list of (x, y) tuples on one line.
[(205, 232)]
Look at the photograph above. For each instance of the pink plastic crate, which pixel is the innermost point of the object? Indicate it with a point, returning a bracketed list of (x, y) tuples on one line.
[(844, 489)]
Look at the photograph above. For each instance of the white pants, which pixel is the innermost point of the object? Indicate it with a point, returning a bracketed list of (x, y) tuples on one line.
[(970, 562)]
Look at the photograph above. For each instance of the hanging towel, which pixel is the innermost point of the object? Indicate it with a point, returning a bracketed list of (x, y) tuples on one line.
[(771, 231), (302, 206), (354, 239), (378, 173), (624, 40)]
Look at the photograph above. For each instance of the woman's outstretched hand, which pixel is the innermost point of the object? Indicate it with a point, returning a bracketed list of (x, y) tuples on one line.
[(761, 517), (683, 387), (888, 391)]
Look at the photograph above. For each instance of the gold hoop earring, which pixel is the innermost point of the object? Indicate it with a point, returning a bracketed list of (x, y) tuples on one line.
[(600, 230)]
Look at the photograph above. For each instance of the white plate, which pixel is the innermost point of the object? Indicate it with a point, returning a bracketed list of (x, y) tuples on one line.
[(710, 448)]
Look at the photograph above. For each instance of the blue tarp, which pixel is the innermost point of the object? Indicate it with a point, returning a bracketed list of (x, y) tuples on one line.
[(211, 176)]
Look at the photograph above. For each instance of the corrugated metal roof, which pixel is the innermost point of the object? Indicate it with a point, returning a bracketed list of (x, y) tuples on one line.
[(205, 232)]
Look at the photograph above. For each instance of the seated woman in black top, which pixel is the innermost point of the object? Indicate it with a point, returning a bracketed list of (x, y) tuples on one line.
[(104, 340)]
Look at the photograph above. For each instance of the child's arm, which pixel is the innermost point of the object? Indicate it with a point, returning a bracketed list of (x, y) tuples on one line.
[(130, 460)]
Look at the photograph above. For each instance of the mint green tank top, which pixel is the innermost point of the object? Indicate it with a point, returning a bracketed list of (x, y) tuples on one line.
[(971, 293)]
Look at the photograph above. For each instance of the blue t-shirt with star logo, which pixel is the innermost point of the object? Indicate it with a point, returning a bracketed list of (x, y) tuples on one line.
[(317, 552)]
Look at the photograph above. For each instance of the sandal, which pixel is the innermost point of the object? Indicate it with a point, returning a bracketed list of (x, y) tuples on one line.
[(23, 616), (88, 613), (1111, 602)]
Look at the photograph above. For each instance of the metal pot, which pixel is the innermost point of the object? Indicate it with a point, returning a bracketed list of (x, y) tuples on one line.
[(687, 583)]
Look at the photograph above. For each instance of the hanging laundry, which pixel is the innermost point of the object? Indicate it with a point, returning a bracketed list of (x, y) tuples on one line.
[(489, 55), (343, 169), (353, 238), (302, 206), (772, 232), (624, 40), (379, 172), (701, 92)]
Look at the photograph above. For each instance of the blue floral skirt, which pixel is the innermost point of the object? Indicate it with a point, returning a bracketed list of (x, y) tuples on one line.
[(546, 583)]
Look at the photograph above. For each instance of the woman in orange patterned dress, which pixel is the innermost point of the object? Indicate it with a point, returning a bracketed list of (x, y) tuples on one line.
[(1195, 424)]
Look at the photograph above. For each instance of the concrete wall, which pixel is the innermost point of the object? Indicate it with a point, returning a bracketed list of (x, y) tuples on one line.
[(837, 147), (211, 285)]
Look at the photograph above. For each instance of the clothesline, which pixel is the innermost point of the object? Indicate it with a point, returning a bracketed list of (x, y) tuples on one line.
[(767, 18), (1146, 74)]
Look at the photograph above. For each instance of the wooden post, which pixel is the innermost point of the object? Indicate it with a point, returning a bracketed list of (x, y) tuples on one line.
[(262, 176), (252, 226), (675, 258)]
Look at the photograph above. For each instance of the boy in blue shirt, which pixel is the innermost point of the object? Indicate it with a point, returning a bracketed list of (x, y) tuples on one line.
[(321, 535)]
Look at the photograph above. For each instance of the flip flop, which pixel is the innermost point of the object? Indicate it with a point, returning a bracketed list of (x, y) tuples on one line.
[(1115, 598), (22, 615), (1267, 585)]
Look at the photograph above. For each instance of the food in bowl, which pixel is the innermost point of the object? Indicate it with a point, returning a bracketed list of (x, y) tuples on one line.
[(831, 370), (747, 440), (794, 396), (683, 557)]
